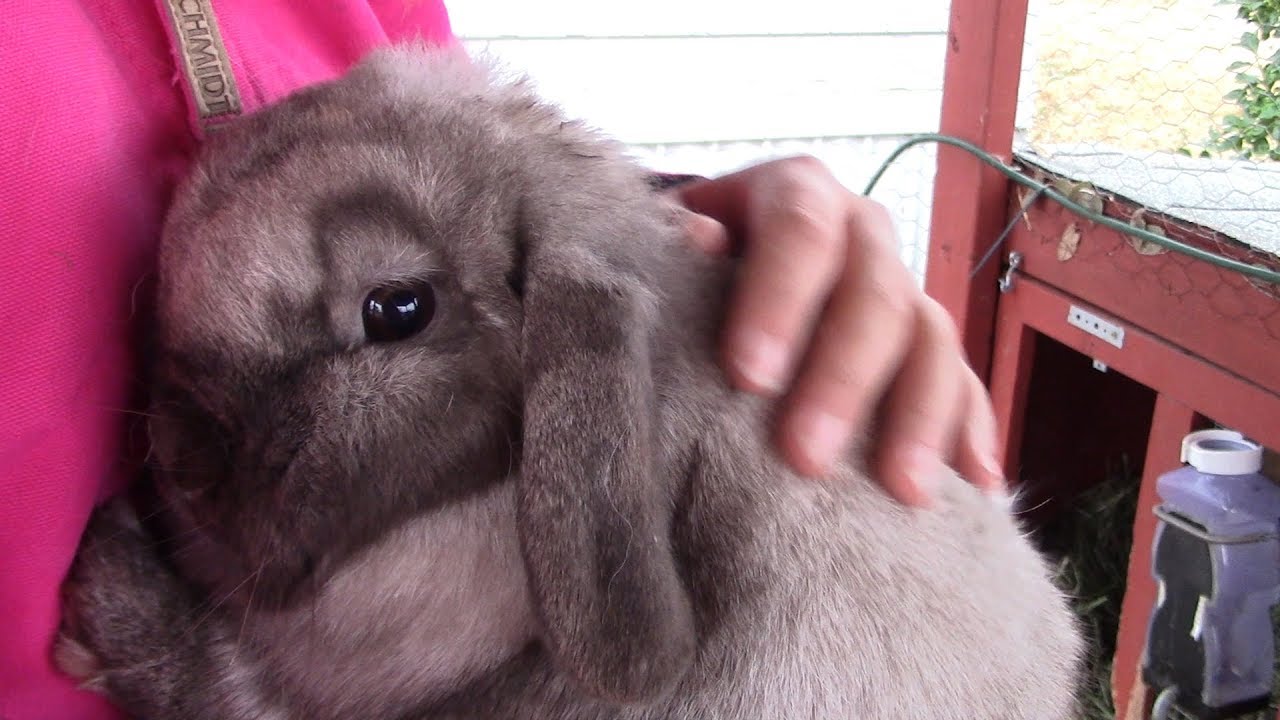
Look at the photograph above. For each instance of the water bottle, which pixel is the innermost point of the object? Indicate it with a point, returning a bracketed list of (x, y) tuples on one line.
[(1216, 562)]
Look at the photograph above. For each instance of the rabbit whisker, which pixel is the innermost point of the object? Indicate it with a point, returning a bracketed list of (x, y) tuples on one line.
[(131, 411), (248, 608), (203, 618), (1033, 508)]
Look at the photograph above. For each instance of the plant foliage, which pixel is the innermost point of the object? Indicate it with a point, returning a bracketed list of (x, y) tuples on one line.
[(1253, 128)]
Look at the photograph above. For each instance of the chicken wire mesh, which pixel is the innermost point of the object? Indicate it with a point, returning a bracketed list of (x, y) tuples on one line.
[(1143, 101)]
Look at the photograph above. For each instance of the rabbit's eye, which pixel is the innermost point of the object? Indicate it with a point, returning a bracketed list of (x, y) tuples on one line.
[(398, 312)]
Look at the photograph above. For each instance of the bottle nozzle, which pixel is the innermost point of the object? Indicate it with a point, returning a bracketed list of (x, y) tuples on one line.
[(1221, 452)]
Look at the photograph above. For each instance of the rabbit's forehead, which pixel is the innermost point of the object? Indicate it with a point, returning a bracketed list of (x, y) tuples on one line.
[(226, 279), (315, 234)]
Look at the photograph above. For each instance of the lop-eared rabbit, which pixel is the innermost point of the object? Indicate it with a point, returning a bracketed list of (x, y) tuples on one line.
[(438, 431)]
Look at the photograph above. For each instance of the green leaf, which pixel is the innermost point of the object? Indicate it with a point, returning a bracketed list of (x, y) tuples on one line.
[(1253, 129)]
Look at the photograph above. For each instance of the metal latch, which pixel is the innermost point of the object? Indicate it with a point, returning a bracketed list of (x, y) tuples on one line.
[(1006, 280)]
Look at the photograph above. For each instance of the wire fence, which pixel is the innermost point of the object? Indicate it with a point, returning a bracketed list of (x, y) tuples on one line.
[(1149, 101)]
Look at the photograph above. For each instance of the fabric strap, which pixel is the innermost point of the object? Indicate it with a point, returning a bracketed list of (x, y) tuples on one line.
[(211, 89)]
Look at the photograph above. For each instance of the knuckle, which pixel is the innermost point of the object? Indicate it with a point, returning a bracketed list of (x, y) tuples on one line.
[(939, 324), (806, 163), (807, 176), (889, 295), (805, 205), (874, 211), (874, 222), (802, 235), (811, 225)]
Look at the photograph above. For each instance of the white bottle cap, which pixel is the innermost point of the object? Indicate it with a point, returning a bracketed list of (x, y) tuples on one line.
[(1221, 452)]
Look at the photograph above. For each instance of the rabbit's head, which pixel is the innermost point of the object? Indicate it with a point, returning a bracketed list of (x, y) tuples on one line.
[(397, 289)]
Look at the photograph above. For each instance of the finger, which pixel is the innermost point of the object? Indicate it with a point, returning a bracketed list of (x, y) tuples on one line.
[(922, 411), (861, 341), (706, 233), (974, 455), (796, 247), (722, 198)]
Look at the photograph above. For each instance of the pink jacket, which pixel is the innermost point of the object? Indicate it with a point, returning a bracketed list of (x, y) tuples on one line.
[(97, 122)]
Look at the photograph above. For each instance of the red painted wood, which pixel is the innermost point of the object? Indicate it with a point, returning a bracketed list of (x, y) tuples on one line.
[(1011, 367), (979, 101), (1156, 363), (1219, 314), (1061, 425), (1171, 421)]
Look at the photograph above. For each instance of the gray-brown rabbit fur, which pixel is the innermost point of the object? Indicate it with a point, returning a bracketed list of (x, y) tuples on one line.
[(548, 503)]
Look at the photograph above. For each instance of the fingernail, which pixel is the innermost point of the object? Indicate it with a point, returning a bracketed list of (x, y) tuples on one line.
[(923, 467), (822, 435), (993, 469), (762, 360)]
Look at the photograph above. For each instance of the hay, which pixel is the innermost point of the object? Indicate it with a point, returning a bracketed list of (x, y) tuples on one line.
[(1091, 543)]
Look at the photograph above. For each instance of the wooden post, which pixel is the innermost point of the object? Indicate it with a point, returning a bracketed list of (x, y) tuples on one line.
[(1011, 368), (971, 200), (1170, 422)]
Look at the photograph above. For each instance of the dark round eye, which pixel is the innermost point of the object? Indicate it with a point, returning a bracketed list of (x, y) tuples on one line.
[(398, 312)]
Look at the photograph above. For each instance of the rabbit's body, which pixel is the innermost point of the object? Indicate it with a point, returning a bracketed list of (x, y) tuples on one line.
[(625, 545)]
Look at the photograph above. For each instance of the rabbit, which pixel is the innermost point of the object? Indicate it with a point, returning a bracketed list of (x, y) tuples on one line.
[(438, 431)]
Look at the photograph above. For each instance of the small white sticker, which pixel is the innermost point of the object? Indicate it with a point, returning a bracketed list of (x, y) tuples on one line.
[(1096, 326)]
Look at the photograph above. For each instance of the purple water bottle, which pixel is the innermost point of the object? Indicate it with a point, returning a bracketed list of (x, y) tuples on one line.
[(1216, 561)]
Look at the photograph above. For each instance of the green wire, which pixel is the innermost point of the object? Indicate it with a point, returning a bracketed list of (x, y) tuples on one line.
[(1254, 271)]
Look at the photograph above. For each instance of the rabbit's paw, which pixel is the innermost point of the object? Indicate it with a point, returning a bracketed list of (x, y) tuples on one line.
[(120, 602), (78, 662)]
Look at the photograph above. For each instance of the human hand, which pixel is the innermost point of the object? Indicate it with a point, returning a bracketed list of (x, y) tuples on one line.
[(824, 314)]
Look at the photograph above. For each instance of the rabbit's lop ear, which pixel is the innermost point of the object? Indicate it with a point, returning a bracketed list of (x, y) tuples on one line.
[(595, 499)]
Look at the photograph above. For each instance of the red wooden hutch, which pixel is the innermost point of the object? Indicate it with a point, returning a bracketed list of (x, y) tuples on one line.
[(1198, 344)]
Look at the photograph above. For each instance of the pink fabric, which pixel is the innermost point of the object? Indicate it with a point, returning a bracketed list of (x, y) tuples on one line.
[(96, 128)]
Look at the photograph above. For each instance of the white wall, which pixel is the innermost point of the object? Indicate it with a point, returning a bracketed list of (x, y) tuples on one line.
[(709, 86)]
